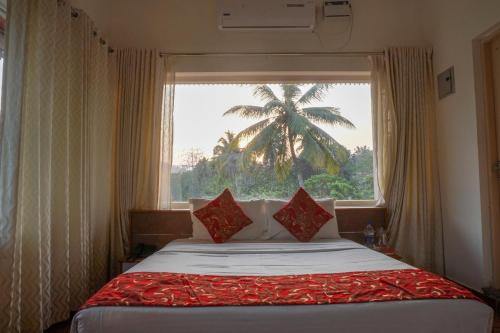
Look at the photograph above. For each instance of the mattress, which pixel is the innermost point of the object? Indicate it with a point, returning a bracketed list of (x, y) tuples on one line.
[(282, 258)]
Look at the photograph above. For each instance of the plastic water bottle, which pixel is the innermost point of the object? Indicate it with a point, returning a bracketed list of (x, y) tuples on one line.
[(381, 238), (369, 236)]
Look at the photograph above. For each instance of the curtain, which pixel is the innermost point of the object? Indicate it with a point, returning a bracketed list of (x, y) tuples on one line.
[(384, 129), (56, 143), (405, 157), (167, 136), (140, 82)]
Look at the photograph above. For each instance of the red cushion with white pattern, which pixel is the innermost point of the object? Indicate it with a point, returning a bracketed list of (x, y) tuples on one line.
[(222, 217), (302, 216)]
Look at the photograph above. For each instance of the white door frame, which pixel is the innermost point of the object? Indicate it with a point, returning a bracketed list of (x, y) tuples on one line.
[(487, 146)]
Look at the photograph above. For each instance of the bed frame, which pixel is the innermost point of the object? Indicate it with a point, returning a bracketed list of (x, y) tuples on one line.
[(159, 227)]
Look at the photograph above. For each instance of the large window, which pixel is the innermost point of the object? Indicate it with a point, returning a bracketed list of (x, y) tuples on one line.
[(266, 140)]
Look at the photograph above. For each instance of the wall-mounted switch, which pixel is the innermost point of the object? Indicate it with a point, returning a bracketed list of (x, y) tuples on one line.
[(446, 83)]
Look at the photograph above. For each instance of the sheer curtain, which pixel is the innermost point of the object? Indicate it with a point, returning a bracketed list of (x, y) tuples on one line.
[(404, 149), (55, 165), (167, 135), (140, 81)]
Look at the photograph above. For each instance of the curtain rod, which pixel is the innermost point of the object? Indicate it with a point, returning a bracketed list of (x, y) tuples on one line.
[(221, 54), (75, 13)]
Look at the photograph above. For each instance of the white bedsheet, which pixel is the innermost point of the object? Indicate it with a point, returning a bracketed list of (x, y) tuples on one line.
[(279, 258), (266, 258)]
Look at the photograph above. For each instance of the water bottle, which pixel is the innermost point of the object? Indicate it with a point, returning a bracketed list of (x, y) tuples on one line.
[(369, 236), (381, 238)]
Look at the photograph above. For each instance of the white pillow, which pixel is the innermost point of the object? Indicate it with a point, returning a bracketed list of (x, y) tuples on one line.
[(277, 231), (254, 209)]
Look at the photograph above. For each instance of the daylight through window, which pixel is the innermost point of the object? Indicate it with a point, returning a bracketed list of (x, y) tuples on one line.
[(264, 141)]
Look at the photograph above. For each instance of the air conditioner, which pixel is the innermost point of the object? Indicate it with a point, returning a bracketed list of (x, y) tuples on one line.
[(266, 14)]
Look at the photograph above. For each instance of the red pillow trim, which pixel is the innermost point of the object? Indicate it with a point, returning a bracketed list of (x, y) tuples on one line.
[(302, 216), (222, 217)]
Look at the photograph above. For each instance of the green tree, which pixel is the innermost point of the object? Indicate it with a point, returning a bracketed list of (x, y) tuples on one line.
[(286, 135), (359, 171), (227, 154), (330, 186)]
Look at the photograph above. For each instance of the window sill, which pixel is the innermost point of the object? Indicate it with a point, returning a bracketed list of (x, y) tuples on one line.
[(177, 205), (356, 203)]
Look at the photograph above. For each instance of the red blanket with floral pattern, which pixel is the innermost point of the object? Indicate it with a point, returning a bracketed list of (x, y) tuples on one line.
[(186, 290)]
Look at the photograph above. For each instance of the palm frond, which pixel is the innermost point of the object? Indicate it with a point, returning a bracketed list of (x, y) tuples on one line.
[(246, 111), (223, 142), (290, 92), (228, 144), (321, 135), (327, 115), (273, 107), (229, 135), (265, 93), (315, 93), (339, 152), (254, 129), (271, 152), (262, 139), (297, 123), (318, 154)]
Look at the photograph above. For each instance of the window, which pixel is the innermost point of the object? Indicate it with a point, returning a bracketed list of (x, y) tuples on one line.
[(278, 141)]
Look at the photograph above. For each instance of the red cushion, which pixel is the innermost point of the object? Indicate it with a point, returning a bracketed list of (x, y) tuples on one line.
[(222, 217), (302, 216)]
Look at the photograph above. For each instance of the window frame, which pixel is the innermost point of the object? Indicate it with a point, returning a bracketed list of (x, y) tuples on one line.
[(303, 77), (184, 205)]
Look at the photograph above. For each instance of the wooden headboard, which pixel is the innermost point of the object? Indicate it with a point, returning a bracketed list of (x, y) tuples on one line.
[(158, 227)]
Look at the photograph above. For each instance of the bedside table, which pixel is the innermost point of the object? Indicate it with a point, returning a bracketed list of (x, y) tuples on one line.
[(390, 252), (128, 263)]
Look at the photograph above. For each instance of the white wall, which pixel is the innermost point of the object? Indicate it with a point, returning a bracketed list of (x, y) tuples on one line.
[(191, 26), (99, 11), (450, 26)]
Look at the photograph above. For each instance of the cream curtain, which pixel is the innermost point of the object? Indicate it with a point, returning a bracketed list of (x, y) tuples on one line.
[(141, 77), (167, 135), (55, 159), (405, 158)]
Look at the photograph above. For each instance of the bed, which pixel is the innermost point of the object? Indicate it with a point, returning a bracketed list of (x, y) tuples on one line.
[(274, 258)]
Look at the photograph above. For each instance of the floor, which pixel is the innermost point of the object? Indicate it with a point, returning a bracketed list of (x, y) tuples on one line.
[(64, 327)]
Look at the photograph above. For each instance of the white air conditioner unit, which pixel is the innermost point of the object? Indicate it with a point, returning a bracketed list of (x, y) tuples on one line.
[(266, 14)]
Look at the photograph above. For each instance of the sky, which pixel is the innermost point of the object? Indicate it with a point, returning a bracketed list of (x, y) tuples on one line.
[(199, 120)]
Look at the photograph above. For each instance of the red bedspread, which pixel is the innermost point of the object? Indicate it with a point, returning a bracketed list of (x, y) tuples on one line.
[(186, 290)]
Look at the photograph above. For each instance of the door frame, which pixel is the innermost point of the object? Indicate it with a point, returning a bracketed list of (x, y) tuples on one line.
[(487, 149)]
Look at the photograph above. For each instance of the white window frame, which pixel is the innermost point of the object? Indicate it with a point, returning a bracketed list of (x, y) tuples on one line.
[(184, 205), (350, 77)]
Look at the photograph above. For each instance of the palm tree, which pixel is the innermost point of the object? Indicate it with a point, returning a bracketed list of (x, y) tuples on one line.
[(226, 145), (227, 154), (286, 134)]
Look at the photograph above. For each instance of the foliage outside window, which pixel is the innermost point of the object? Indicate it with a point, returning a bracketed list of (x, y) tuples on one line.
[(285, 138)]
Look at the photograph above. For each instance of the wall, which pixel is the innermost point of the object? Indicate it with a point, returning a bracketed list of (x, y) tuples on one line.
[(450, 26), (99, 11), (191, 26)]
